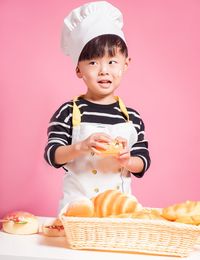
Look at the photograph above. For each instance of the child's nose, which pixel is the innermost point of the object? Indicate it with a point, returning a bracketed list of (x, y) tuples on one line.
[(103, 70)]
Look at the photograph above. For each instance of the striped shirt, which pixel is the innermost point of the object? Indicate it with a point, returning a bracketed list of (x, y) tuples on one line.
[(60, 128)]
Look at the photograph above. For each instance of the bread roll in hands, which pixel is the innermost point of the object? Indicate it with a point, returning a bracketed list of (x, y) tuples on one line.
[(113, 148)]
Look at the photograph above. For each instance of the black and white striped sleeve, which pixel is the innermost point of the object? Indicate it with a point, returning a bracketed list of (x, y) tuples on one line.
[(59, 132), (140, 148)]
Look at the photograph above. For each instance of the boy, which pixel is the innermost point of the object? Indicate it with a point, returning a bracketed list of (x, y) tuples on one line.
[(82, 128)]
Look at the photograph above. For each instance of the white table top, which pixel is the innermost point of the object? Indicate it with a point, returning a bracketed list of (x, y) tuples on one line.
[(37, 246)]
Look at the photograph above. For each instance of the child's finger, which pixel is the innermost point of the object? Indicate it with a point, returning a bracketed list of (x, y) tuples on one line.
[(97, 149), (102, 137), (122, 140), (124, 154)]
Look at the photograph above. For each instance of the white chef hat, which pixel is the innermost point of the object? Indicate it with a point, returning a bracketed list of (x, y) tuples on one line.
[(87, 22)]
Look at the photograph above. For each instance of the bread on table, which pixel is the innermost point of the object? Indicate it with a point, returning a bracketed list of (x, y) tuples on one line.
[(53, 228), (20, 223), (187, 212)]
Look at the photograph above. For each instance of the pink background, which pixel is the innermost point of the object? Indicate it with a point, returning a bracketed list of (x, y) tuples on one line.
[(162, 83)]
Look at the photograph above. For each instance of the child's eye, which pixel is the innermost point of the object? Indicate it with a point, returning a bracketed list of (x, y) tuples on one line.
[(92, 63), (112, 62)]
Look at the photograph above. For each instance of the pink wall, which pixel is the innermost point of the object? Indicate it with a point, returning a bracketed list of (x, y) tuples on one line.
[(35, 78)]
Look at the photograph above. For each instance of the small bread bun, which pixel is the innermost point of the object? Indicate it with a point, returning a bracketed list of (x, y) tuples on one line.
[(53, 228), (113, 148), (80, 208), (20, 223)]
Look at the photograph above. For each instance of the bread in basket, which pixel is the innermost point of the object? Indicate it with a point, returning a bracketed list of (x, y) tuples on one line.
[(142, 230)]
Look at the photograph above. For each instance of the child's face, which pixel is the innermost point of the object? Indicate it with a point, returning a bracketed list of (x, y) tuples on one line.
[(103, 75)]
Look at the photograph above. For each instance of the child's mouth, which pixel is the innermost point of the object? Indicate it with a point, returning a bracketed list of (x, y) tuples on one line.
[(104, 83)]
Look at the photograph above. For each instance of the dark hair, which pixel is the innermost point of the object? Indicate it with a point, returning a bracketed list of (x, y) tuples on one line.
[(100, 45)]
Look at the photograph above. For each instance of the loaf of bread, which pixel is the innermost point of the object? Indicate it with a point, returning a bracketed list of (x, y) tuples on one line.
[(113, 202), (187, 212)]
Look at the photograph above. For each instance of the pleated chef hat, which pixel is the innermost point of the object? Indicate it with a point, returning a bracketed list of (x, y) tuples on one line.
[(87, 22)]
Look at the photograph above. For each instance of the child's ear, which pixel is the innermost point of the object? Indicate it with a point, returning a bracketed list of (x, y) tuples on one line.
[(127, 61), (78, 73)]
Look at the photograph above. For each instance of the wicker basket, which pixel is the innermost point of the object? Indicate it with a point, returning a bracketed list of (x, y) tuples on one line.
[(131, 235)]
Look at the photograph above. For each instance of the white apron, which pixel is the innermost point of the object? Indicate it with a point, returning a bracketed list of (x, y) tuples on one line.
[(90, 174)]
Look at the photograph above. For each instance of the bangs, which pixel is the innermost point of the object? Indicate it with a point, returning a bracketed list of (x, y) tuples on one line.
[(102, 45)]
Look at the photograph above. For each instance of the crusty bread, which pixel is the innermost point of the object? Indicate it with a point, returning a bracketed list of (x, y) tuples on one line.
[(53, 228), (20, 223), (113, 202), (80, 208), (187, 212)]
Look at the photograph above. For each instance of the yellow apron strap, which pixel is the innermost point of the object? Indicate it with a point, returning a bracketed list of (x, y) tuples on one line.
[(76, 114), (122, 107)]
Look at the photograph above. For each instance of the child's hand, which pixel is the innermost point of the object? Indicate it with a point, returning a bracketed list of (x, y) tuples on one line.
[(124, 155), (95, 143)]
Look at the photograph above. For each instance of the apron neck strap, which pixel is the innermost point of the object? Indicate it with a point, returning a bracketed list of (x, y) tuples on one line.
[(76, 114), (122, 107)]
